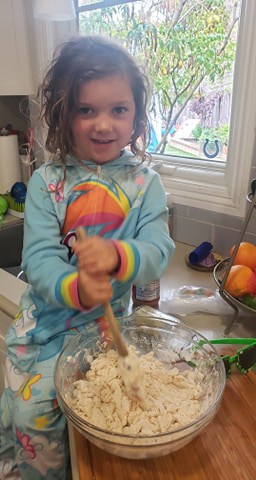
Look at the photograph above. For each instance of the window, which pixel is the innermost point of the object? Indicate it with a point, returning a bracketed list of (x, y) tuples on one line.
[(195, 171)]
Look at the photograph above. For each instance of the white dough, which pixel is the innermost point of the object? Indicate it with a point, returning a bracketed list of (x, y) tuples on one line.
[(172, 397)]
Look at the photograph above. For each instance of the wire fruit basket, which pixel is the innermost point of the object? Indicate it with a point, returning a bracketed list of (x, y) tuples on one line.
[(222, 269)]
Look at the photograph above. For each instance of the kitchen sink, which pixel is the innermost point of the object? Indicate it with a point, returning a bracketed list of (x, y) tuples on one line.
[(11, 241)]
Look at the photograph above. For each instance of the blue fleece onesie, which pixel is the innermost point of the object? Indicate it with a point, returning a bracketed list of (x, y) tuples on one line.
[(122, 200)]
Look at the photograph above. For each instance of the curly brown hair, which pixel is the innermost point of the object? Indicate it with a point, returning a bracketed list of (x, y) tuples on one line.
[(81, 59)]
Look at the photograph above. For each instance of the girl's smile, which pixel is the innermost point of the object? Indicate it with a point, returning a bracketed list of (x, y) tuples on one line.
[(104, 122)]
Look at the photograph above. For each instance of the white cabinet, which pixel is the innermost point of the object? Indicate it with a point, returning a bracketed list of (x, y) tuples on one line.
[(15, 68)]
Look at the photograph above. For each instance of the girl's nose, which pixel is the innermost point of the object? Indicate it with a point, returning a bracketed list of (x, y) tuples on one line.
[(103, 123)]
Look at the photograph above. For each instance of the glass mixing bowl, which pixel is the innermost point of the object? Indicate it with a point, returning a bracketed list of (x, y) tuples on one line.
[(172, 343)]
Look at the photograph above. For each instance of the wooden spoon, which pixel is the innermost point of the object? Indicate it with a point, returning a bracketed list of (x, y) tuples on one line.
[(128, 363)]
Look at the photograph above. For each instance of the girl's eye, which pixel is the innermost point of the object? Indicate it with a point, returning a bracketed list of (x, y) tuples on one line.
[(84, 110), (120, 110)]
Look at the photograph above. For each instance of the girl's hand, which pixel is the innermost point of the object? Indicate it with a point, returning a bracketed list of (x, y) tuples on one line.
[(93, 290), (97, 255)]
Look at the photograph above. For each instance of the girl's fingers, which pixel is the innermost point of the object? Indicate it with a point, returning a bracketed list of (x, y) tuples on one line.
[(92, 268), (94, 290), (96, 297)]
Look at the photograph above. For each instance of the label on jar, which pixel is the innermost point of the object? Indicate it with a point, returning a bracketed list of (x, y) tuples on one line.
[(149, 292)]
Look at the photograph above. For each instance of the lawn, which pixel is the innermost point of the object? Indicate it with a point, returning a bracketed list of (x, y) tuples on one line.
[(177, 151)]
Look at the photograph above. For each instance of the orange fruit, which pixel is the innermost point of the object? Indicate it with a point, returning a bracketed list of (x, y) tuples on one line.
[(246, 255), (241, 280)]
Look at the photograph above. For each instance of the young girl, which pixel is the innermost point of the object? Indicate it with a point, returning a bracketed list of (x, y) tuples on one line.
[(94, 100)]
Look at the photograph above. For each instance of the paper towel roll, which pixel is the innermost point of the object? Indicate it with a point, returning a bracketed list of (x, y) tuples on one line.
[(10, 165)]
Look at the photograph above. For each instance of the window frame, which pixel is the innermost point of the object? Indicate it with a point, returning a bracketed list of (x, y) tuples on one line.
[(100, 4), (221, 187)]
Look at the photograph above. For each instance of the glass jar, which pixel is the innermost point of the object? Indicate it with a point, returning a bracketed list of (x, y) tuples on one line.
[(148, 294)]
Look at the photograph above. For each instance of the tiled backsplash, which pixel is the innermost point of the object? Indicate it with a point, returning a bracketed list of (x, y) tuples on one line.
[(193, 226)]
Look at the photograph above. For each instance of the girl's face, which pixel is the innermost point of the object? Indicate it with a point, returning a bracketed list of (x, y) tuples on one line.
[(104, 122)]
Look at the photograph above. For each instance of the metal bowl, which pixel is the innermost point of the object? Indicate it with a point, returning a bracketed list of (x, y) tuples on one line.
[(218, 274)]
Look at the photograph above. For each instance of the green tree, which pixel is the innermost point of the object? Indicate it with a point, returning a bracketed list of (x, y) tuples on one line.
[(182, 43)]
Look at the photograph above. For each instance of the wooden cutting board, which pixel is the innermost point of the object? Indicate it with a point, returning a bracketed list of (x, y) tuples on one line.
[(225, 450)]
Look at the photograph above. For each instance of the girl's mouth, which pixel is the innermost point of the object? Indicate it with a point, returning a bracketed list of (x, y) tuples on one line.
[(101, 142)]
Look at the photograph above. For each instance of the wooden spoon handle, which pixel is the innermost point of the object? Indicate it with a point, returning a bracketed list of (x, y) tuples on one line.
[(108, 311), (118, 339)]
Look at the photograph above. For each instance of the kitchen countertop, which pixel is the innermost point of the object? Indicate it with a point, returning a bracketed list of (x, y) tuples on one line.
[(10, 219)]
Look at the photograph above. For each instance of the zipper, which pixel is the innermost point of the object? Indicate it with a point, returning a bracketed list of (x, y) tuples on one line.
[(96, 199), (99, 171)]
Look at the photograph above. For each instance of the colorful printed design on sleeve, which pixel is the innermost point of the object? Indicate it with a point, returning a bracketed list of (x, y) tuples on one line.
[(66, 291), (130, 261), (57, 188), (93, 203)]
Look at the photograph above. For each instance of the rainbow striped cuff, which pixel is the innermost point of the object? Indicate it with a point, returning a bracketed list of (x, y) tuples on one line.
[(129, 261), (67, 291)]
